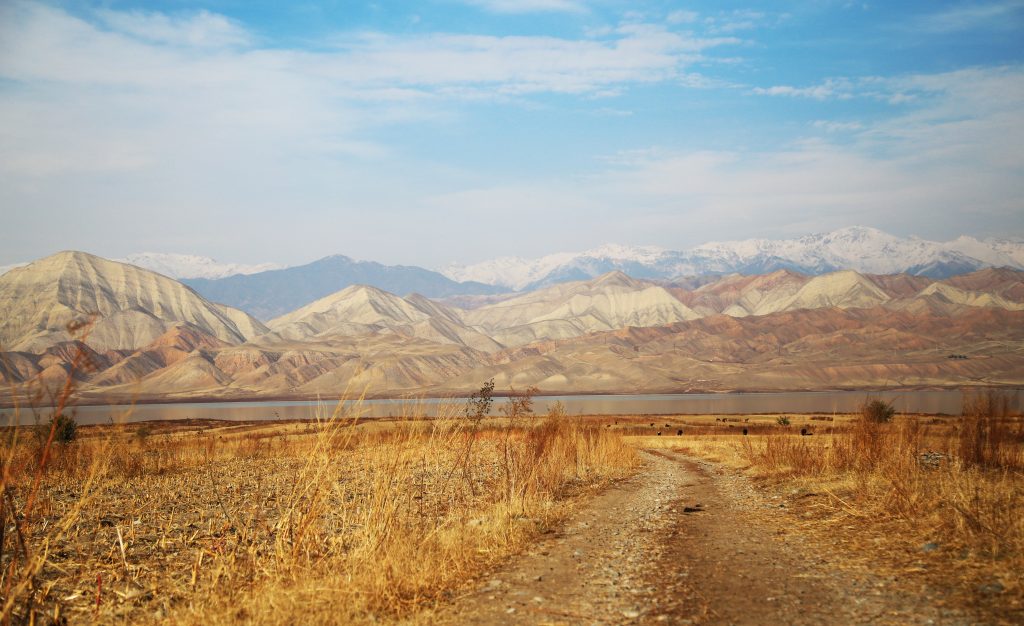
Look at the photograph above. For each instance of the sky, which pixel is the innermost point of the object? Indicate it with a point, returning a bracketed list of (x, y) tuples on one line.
[(444, 131)]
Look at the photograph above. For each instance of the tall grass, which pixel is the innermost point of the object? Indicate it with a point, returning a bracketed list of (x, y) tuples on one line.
[(963, 485), (335, 521)]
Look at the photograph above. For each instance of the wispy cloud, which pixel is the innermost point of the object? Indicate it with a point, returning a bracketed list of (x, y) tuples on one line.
[(530, 6), (952, 162), (836, 127), (136, 88), (199, 30), (683, 17), (831, 89), (1006, 14), (635, 53)]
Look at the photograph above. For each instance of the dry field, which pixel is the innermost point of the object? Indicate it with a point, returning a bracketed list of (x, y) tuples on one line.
[(339, 520), (324, 522)]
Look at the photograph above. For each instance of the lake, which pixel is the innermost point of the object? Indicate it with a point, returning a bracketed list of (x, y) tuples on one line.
[(940, 402)]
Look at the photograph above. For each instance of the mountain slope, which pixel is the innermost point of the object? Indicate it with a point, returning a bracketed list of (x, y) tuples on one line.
[(273, 293), (129, 306), (364, 310)]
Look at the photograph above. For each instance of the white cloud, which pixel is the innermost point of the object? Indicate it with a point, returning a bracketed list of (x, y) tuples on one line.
[(830, 89), (143, 89), (836, 127), (683, 17), (201, 30), (997, 15), (530, 6)]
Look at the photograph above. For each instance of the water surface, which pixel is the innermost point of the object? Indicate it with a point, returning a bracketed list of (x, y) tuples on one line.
[(939, 402)]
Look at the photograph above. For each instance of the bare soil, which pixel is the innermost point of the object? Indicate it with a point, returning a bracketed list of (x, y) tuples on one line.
[(683, 542)]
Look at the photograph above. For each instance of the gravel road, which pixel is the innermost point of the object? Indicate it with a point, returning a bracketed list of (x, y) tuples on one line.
[(683, 542)]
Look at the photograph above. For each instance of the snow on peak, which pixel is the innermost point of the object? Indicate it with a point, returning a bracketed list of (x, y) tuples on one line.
[(860, 248), (192, 266)]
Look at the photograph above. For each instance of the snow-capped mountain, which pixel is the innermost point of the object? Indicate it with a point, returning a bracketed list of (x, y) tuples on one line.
[(858, 248), (192, 266)]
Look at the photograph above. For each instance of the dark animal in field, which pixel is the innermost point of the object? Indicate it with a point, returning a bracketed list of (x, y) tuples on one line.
[(679, 432), (744, 431), (805, 433)]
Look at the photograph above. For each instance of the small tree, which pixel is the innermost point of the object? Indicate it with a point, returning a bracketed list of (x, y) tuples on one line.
[(877, 411), (782, 420)]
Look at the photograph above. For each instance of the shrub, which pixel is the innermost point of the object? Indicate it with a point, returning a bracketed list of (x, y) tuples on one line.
[(64, 428), (782, 420), (557, 411), (479, 404), (877, 411), (519, 403)]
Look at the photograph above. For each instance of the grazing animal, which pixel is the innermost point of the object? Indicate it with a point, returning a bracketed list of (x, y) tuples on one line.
[(805, 433), (679, 432), (744, 431)]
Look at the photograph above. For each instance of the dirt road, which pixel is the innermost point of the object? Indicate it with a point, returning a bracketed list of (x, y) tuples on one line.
[(684, 543)]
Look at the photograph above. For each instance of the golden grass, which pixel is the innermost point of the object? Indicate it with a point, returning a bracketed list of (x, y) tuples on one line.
[(331, 522), (956, 485)]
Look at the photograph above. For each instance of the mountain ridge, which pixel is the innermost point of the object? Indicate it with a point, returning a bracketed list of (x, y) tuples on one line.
[(610, 334), (867, 250), (122, 306)]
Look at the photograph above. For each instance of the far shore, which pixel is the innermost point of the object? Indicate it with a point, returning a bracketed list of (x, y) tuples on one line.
[(123, 401)]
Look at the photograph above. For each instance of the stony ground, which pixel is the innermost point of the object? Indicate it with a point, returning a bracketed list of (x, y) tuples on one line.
[(686, 542)]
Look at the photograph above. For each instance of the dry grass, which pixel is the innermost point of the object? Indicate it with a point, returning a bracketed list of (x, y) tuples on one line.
[(956, 486), (330, 522)]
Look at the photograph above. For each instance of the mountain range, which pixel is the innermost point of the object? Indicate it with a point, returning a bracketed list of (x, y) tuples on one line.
[(858, 248), (126, 333), (267, 291)]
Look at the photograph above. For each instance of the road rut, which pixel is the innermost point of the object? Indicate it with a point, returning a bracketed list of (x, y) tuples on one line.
[(683, 542)]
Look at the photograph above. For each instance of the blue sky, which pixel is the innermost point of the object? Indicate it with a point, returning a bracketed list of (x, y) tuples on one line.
[(458, 130)]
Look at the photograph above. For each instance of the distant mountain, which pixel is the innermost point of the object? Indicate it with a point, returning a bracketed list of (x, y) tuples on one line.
[(273, 293), (192, 266), (129, 307), (857, 248)]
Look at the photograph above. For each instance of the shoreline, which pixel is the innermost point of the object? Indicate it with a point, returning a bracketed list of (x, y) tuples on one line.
[(119, 401)]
